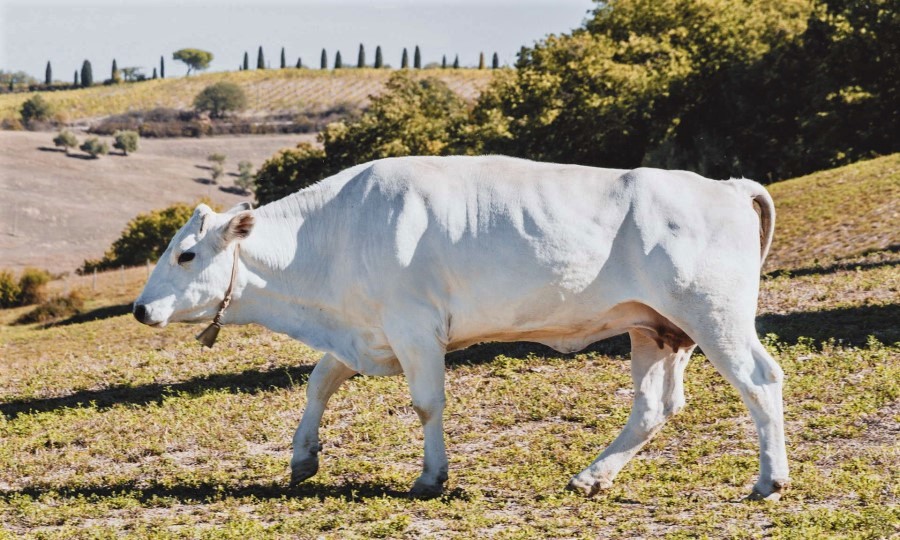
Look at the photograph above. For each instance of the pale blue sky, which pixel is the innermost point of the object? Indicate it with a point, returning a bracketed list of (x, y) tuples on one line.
[(137, 33)]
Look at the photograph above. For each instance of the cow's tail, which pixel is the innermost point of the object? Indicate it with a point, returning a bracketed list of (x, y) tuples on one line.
[(765, 207)]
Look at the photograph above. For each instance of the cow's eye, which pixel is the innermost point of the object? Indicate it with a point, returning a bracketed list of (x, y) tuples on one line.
[(187, 256)]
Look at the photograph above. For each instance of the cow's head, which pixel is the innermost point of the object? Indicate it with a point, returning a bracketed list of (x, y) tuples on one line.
[(191, 277)]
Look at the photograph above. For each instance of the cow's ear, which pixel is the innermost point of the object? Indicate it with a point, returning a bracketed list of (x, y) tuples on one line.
[(238, 227), (202, 212)]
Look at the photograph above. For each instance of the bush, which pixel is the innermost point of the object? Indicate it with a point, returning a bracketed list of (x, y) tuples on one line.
[(31, 286), (56, 308), (289, 170), (9, 290), (144, 239), (245, 176), (94, 147), (36, 108), (66, 139), (220, 98), (126, 141)]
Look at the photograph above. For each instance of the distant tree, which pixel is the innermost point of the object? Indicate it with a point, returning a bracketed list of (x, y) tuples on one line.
[(216, 172), (378, 60), (48, 74), (337, 61), (195, 59), (323, 64), (495, 61), (220, 98), (87, 74), (481, 60), (66, 139), (155, 75), (216, 157), (162, 67), (404, 61), (417, 58), (260, 59), (77, 80), (444, 62), (283, 59), (115, 76), (94, 147), (246, 61), (456, 62), (35, 108), (126, 141), (361, 57), (245, 176), (299, 62), (132, 73)]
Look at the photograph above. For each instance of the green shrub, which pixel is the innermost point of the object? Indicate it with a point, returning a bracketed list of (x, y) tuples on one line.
[(55, 308), (94, 147), (245, 176), (289, 170), (9, 290), (35, 108), (220, 98), (126, 141), (144, 239), (66, 139), (31, 286)]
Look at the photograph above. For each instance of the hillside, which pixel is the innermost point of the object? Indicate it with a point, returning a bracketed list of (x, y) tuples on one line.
[(56, 211), (112, 429), (272, 91)]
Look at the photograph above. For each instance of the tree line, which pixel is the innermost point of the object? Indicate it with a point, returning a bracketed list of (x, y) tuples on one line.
[(768, 90)]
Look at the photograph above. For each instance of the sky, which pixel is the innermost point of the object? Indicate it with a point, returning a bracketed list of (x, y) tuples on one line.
[(137, 33)]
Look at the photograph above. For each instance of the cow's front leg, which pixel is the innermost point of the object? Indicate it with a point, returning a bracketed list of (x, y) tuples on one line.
[(422, 361), (325, 379)]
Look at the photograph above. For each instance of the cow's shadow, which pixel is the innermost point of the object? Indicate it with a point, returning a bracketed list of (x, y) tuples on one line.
[(350, 491)]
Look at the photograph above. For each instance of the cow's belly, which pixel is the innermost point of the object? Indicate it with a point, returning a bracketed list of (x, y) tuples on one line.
[(572, 333)]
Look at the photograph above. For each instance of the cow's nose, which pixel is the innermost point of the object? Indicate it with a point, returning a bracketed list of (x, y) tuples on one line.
[(140, 312)]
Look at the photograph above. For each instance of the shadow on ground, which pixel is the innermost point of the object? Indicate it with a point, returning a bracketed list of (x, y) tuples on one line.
[(350, 491), (849, 326), (94, 315), (889, 260), (248, 381)]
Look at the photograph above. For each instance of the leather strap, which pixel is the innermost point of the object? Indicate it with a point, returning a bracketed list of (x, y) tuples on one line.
[(208, 336)]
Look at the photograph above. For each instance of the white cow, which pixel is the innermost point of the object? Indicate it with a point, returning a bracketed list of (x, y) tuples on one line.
[(388, 265)]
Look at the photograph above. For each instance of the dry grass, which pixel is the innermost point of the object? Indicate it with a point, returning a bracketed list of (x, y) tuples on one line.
[(109, 429), (268, 91)]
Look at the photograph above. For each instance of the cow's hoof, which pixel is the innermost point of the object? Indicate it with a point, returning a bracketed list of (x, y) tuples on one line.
[(302, 470), (769, 491), (588, 488), (423, 490)]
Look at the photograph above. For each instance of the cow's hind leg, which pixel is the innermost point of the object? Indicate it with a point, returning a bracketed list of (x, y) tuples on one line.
[(657, 372), (747, 365), (325, 379)]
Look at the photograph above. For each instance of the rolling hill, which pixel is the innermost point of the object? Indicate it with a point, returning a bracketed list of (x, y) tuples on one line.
[(281, 91)]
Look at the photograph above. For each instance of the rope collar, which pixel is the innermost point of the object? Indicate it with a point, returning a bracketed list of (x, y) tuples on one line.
[(208, 336)]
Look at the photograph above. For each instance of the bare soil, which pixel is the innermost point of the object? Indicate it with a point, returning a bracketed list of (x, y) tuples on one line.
[(58, 210)]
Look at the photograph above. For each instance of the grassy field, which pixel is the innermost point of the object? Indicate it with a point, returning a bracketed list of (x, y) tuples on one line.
[(272, 91), (109, 429)]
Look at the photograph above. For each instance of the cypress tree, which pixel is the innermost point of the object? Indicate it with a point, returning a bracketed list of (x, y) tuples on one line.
[(87, 74), (77, 81), (337, 60), (495, 62), (417, 58), (378, 61), (162, 68), (115, 72), (323, 64), (481, 60), (260, 59), (299, 63), (361, 58), (404, 62), (154, 73), (456, 62), (246, 61), (283, 61), (48, 74), (444, 62)]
